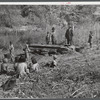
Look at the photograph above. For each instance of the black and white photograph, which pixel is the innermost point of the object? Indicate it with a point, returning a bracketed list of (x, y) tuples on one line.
[(49, 50)]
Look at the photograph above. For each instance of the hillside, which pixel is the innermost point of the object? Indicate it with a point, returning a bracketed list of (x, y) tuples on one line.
[(76, 76)]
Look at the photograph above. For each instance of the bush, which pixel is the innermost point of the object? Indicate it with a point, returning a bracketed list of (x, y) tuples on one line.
[(32, 37)]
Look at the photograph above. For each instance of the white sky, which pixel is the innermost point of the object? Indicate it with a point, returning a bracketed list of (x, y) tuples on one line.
[(50, 3)]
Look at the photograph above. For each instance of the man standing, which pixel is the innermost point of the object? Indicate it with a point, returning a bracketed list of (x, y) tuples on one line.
[(53, 37), (11, 51), (34, 65), (69, 35), (90, 39), (27, 50), (48, 38)]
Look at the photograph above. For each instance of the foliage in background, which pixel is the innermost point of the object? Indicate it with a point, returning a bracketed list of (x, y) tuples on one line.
[(41, 18)]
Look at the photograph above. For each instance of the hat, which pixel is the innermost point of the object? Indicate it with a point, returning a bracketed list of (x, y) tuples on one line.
[(53, 28), (10, 42)]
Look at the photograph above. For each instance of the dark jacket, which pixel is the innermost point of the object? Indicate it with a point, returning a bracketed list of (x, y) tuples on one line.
[(69, 34), (90, 38), (53, 39)]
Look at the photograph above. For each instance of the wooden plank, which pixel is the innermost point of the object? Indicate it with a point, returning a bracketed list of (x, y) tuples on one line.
[(48, 46)]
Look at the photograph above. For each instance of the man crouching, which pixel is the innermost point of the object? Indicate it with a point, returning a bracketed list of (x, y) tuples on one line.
[(54, 62), (21, 68), (4, 66), (34, 66)]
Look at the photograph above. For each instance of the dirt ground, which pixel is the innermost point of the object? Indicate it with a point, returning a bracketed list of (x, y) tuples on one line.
[(77, 75)]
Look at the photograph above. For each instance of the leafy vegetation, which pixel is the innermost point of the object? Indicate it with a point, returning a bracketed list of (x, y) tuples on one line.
[(36, 20)]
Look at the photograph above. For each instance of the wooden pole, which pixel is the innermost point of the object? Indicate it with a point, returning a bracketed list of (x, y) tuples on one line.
[(49, 46)]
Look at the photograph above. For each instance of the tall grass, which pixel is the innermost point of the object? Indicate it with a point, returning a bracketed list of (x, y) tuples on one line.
[(19, 38)]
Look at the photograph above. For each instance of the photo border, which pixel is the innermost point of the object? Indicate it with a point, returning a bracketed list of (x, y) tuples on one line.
[(58, 2), (46, 0)]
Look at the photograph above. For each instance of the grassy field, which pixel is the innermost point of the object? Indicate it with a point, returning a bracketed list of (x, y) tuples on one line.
[(76, 76)]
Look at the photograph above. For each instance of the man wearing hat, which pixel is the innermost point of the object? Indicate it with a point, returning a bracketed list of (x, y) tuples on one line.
[(69, 35)]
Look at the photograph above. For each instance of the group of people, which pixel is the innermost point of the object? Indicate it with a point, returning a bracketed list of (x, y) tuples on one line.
[(23, 65), (27, 65), (69, 37), (51, 38)]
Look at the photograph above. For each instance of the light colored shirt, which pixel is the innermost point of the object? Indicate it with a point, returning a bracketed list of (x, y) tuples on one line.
[(11, 47), (27, 48), (35, 67), (4, 67), (55, 62), (22, 69)]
